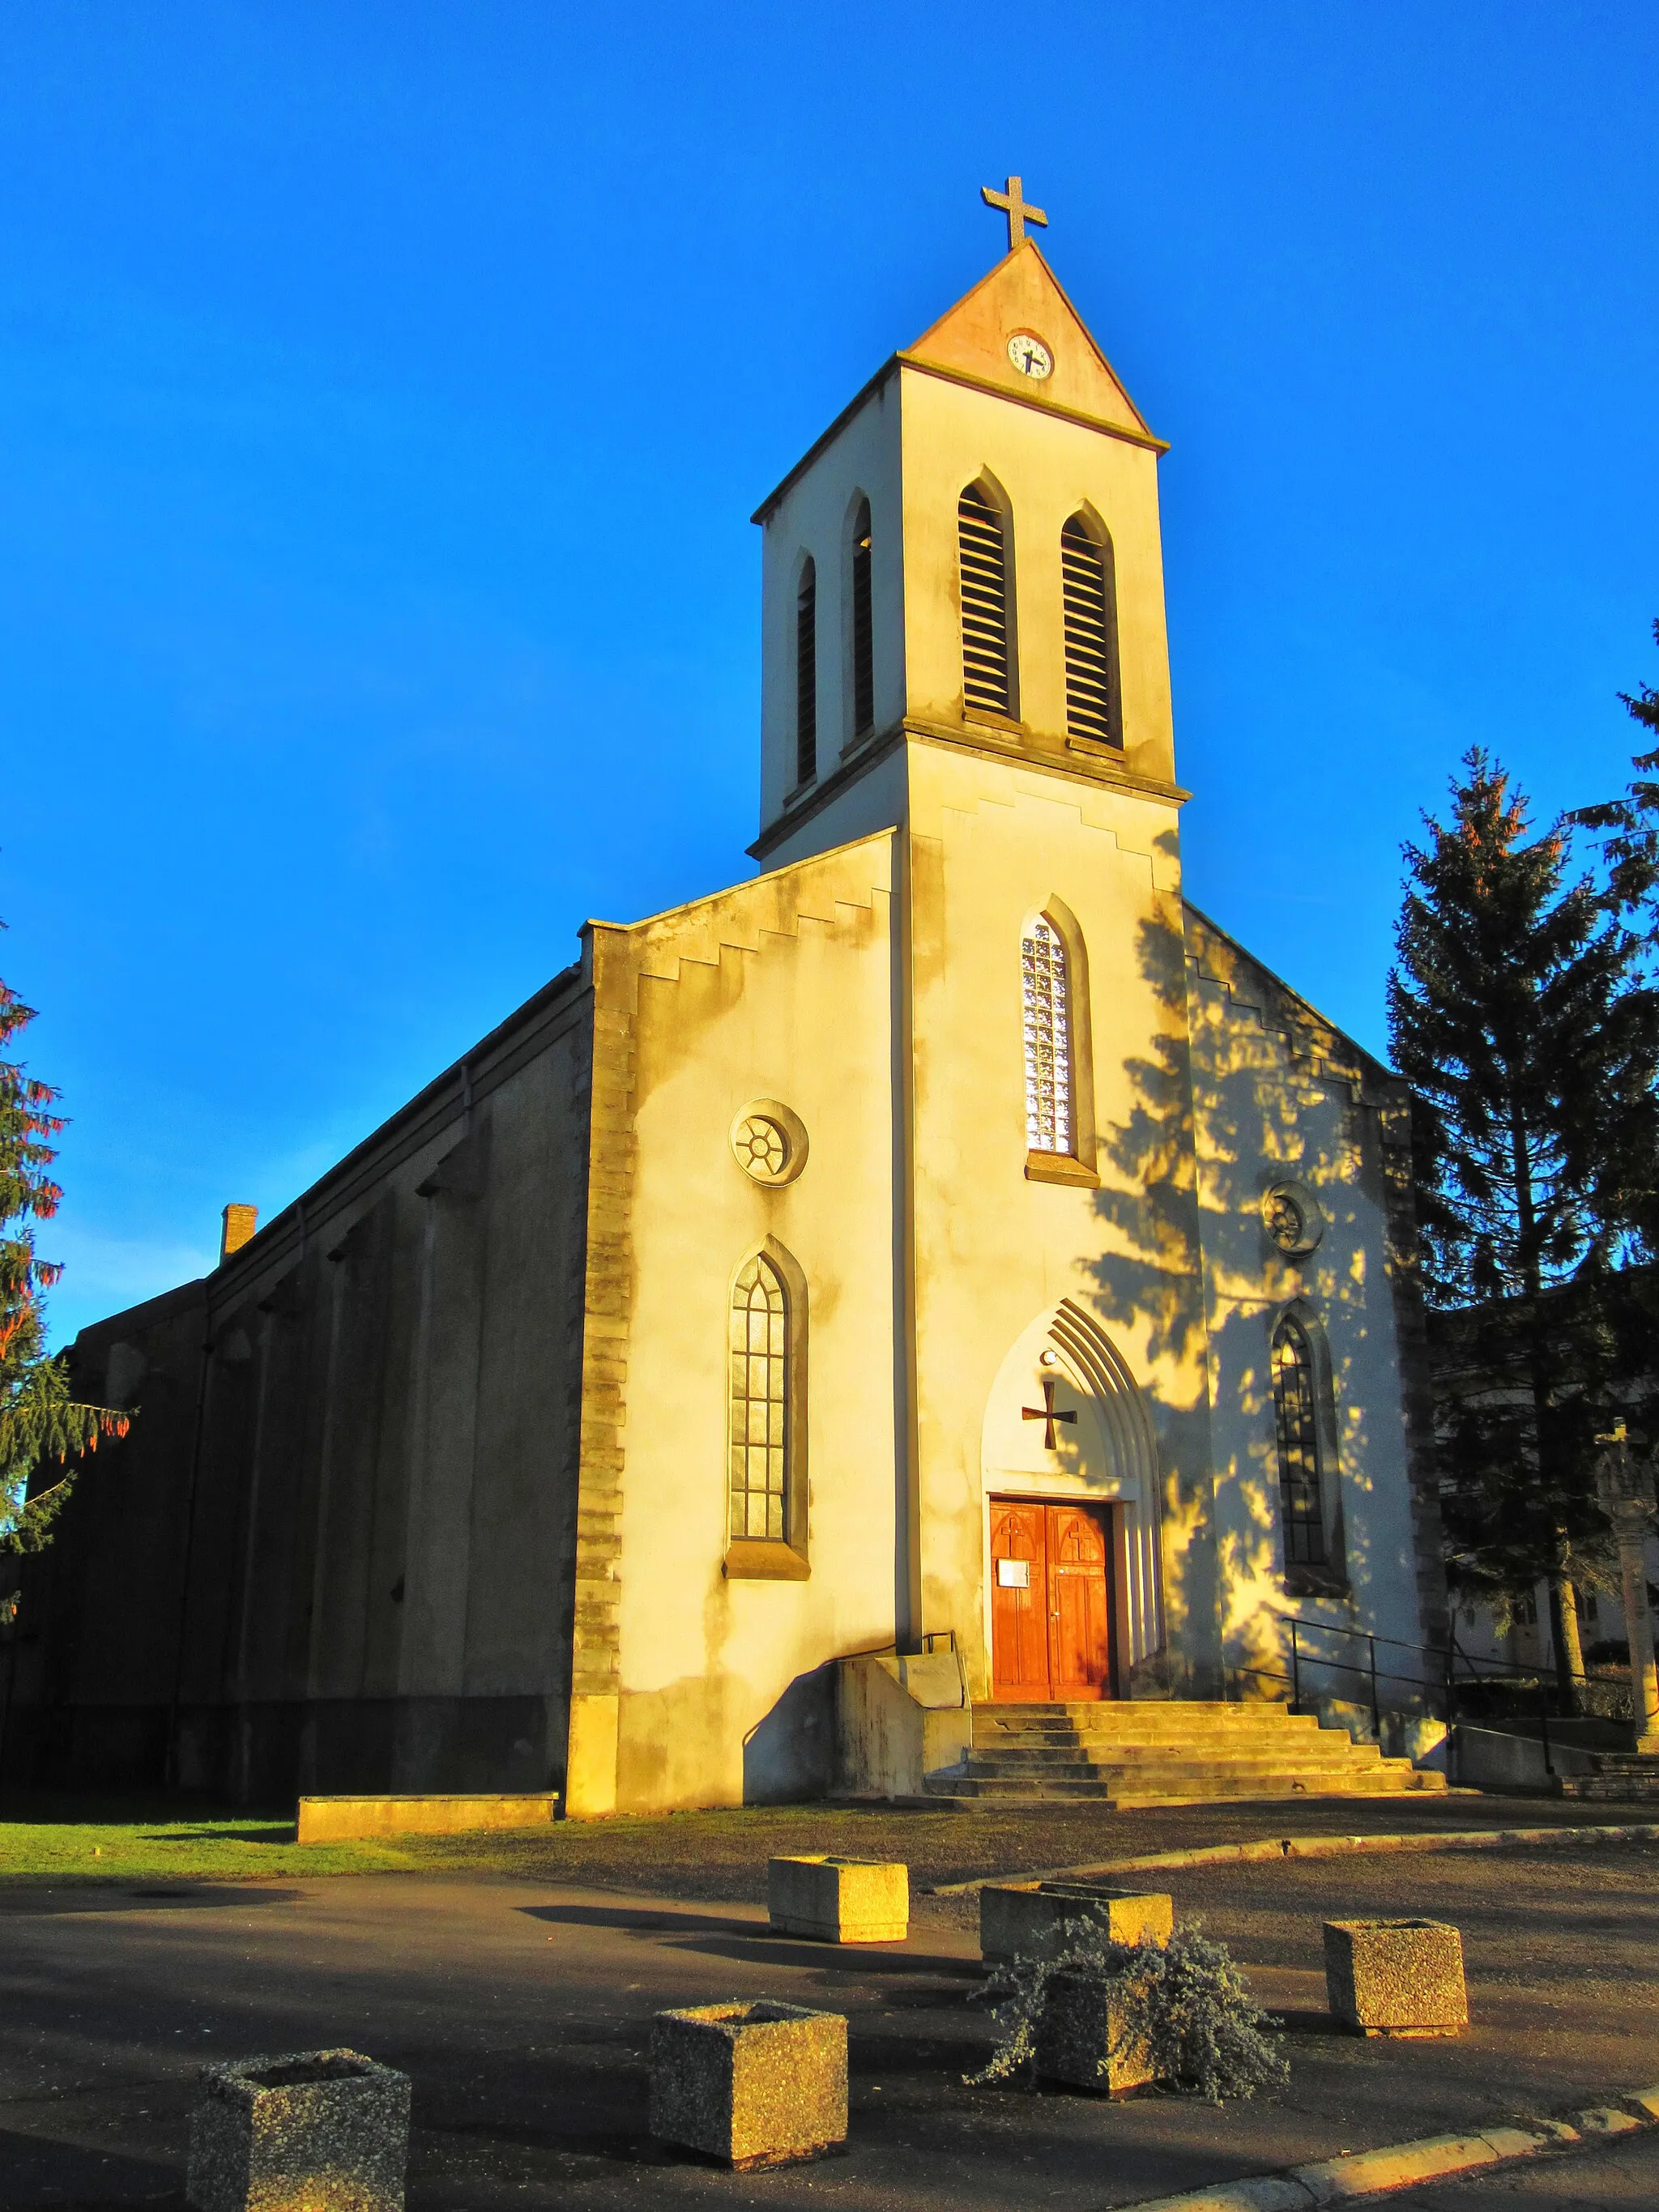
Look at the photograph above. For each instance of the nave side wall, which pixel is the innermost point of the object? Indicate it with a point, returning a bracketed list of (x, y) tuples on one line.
[(335, 1549)]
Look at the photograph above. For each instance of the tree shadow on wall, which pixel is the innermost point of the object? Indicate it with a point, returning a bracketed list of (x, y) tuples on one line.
[(1242, 1087)]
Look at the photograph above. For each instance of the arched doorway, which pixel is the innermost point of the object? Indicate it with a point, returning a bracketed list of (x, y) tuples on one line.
[(1071, 1522)]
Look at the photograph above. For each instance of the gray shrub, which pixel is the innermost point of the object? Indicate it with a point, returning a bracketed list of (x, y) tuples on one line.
[(1185, 2002)]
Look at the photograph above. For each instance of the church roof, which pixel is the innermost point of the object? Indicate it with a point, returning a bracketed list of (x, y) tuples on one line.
[(969, 344), (1346, 1056)]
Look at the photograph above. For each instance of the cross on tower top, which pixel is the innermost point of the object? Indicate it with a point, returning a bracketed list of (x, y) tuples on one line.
[(1014, 205)]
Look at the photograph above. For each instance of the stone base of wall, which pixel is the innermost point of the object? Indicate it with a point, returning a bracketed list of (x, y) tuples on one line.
[(338, 1820), (271, 1753)]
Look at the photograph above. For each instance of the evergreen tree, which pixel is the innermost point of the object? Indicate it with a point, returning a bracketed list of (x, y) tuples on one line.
[(1630, 843), (1519, 1015), (40, 1419)]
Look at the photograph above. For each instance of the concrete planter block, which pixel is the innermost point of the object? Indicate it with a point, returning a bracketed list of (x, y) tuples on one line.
[(327, 2131), (842, 1900), (758, 2084), (1076, 2038), (1018, 1919), (1396, 1977)]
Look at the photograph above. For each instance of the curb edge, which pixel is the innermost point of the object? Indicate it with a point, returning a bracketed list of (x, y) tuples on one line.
[(1272, 1850), (1407, 2165)]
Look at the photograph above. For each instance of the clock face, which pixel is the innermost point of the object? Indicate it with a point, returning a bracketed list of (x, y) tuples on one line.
[(1029, 356)]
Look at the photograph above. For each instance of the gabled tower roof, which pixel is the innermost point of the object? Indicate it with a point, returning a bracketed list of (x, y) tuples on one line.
[(968, 344), (1022, 293)]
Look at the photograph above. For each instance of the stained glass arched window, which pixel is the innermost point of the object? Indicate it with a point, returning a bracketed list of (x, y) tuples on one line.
[(759, 1403), (1296, 1417), (1049, 1126)]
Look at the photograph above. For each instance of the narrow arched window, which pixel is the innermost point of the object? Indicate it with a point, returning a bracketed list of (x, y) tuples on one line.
[(863, 657), (759, 1403), (806, 674), (1049, 1122), (987, 671), (1295, 1417), (1092, 694)]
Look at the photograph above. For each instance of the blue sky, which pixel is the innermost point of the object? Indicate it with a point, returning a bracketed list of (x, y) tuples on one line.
[(384, 390)]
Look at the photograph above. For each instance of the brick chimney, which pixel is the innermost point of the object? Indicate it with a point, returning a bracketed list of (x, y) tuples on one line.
[(239, 1223)]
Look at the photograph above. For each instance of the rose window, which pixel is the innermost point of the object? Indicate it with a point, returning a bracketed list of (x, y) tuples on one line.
[(761, 1147)]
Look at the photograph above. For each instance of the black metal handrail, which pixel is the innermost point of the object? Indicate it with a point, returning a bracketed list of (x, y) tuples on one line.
[(1444, 1679)]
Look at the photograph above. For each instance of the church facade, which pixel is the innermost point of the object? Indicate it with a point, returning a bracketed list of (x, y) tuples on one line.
[(947, 1240)]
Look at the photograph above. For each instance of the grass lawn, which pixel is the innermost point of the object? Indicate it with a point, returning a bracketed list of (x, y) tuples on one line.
[(712, 1855), (64, 1840), (719, 1854)]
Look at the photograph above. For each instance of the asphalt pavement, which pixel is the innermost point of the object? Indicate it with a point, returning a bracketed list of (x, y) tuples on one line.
[(522, 2011)]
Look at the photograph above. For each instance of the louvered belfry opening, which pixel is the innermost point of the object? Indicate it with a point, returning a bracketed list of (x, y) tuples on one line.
[(1092, 683), (984, 550), (806, 675), (864, 659)]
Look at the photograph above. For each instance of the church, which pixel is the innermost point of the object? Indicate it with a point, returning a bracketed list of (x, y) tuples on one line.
[(941, 1274)]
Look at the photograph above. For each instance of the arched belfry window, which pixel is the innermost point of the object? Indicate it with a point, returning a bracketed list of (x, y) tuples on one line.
[(1050, 1124), (760, 1404), (987, 660), (806, 673), (863, 639), (1295, 1419), (1093, 708)]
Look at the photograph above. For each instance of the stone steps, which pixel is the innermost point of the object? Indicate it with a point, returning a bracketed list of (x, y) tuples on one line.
[(1232, 1711), (1187, 1760), (1050, 1731), (1615, 1778), (1127, 1753), (1294, 1753), (1302, 1726), (1189, 1773), (1294, 1743), (1105, 1740), (1213, 1788)]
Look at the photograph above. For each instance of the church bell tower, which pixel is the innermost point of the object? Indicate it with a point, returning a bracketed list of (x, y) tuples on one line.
[(964, 652), (968, 556)]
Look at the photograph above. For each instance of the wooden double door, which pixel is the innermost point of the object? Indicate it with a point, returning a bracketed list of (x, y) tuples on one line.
[(1053, 1613)]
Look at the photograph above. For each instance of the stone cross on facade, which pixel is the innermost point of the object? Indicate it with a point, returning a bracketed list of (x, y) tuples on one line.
[(1045, 1412), (1014, 205)]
